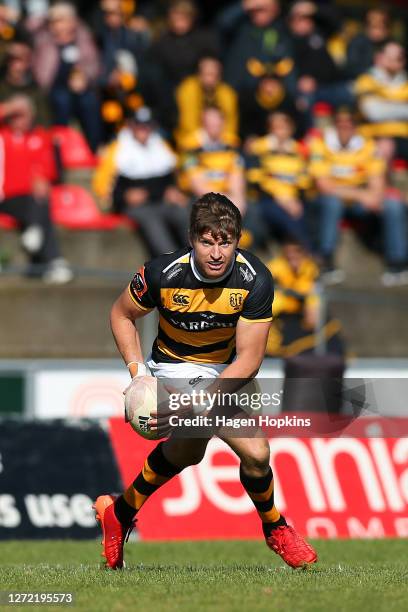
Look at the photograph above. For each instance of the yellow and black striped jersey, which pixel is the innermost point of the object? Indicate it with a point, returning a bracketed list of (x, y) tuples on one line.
[(350, 165), (278, 169), (215, 162), (198, 316), (293, 289), (377, 85)]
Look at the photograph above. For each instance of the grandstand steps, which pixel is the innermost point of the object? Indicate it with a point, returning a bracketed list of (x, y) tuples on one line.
[(69, 322), (123, 250), (118, 250), (363, 268), (72, 321)]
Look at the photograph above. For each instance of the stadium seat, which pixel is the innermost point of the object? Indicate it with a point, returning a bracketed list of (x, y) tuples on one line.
[(74, 150), (7, 222), (73, 207)]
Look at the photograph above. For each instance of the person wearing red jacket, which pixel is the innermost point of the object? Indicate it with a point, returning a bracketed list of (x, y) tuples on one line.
[(27, 170)]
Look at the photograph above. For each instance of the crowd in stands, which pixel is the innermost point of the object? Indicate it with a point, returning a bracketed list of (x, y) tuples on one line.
[(297, 111)]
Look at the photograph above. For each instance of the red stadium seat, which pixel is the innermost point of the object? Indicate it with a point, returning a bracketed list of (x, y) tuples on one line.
[(75, 152), (73, 207), (7, 222)]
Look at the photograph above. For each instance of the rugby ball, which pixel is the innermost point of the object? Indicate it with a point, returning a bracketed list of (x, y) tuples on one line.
[(140, 400)]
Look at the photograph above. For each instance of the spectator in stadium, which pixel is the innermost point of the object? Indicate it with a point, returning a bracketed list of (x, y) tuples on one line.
[(137, 15), (138, 173), (350, 176), (176, 52), (17, 78), (320, 79), (383, 96), (203, 89), (121, 94), (261, 38), (362, 48), (7, 30), (32, 13), (277, 167), (255, 106), (27, 170), (115, 37), (296, 305), (66, 64), (212, 161)]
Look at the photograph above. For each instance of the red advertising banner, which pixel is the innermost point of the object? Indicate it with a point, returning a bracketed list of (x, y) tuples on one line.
[(351, 487)]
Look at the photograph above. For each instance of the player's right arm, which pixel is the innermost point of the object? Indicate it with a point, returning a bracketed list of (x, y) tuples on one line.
[(134, 303)]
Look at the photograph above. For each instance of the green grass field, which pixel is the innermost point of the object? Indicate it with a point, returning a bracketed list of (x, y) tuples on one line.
[(359, 575)]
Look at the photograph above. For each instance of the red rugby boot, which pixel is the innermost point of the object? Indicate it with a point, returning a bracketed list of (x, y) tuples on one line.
[(293, 549), (115, 534)]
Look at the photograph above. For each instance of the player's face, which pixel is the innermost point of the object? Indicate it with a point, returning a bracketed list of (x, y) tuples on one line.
[(213, 256)]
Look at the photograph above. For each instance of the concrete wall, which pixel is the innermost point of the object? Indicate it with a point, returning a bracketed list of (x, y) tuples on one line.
[(72, 321)]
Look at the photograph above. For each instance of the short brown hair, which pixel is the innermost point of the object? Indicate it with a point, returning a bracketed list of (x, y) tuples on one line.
[(215, 213)]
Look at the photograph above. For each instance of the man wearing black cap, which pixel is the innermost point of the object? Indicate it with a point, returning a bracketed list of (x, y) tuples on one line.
[(137, 174)]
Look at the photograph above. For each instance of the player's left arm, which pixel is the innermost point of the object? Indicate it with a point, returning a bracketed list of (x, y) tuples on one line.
[(251, 340), (253, 328)]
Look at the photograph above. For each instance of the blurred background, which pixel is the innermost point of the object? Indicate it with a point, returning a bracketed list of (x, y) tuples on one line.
[(115, 115)]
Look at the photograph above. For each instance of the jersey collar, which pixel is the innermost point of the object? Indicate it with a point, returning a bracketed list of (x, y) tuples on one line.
[(204, 279)]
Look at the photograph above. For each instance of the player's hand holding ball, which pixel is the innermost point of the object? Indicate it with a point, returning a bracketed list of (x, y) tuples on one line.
[(140, 401)]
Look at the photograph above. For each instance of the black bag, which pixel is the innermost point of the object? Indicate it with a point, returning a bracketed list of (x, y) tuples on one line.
[(313, 383)]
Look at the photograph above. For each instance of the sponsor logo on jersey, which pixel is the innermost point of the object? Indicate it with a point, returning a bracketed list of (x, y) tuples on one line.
[(139, 284), (201, 325), (174, 272), (180, 299), (246, 274), (236, 300)]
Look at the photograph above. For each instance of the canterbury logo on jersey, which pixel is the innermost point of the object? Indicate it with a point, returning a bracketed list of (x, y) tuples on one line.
[(215, 300), (181, 300)]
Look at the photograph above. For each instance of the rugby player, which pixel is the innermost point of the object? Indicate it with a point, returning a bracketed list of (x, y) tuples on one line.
[(230, 290)]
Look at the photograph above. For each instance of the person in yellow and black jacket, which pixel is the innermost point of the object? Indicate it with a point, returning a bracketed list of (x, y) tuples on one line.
[(198, 91), (211, 160), (350, 175), (270, 95), (382, 95), (296, 306), (277, 167)]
